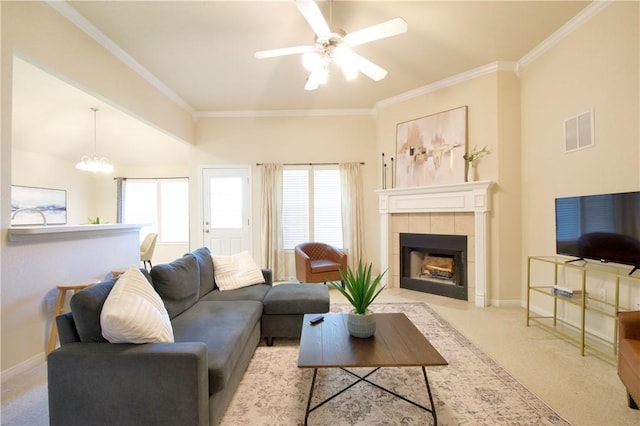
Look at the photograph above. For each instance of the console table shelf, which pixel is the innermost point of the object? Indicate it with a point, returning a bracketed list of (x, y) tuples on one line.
[(589, 318)]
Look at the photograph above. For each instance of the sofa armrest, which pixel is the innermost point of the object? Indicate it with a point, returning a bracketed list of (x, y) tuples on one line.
[(268, 276), (629, 323), (127, 384)]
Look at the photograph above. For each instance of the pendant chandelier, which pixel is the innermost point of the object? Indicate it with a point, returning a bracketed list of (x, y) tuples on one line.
[(94, 164)]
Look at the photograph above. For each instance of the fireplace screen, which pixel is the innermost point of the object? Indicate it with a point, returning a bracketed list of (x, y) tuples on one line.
[(434, 264), (438, 267)]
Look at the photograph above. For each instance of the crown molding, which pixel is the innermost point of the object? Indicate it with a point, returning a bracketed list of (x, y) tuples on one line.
[(286, 113), (564, 31), (448, 82), (576, 22), (63, 8)]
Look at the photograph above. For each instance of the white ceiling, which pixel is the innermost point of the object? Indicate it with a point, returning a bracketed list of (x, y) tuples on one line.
[(203, 50), (202, 53)]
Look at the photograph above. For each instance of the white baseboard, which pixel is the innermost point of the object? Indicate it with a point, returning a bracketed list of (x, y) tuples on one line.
[(22, 367), (498, 303)]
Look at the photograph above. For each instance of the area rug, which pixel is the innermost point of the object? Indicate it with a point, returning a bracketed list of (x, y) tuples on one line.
[(473, 389)]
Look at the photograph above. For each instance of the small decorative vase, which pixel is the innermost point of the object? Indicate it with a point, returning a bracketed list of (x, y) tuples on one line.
[(471, 172), (361, 326)]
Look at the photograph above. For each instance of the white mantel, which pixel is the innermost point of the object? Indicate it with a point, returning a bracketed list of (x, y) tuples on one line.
[(464, 197)]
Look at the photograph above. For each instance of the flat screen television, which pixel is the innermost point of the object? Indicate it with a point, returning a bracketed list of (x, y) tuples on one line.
[(602, 227)]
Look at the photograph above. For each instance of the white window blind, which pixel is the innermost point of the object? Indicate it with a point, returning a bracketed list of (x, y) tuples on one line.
[(327, 214), (174, 210), (161, 203), (141, 204), (295, 207), (311, 206)]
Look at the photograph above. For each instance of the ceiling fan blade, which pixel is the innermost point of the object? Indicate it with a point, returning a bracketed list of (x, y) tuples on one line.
[(368, 68), (313, 15), (313, 81), (386, 29), (283, 51)]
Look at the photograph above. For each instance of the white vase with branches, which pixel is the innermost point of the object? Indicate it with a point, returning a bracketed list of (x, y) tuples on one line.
[(472, 158)]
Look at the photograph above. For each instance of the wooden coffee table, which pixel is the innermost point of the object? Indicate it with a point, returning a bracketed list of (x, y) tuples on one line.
[(397, 343)]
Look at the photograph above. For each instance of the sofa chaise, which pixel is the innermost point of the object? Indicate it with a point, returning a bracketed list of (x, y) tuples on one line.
[(188, 382)]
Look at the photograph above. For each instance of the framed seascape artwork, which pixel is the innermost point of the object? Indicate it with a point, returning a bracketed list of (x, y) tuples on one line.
[(429, 150), (29, 204)]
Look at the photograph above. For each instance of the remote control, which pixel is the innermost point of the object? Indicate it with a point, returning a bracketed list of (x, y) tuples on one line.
[(316, 320)]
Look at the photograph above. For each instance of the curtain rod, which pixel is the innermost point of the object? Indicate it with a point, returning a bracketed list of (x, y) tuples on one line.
[(149, 178), (308, 164)]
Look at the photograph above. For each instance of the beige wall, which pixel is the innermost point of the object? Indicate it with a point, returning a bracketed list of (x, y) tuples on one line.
[(29, 272), (37, 32), (596, 67), (520, 119), (493, 120), (309, 139)]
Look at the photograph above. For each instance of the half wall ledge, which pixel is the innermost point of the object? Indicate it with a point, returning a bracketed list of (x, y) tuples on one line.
[(68, 232), (453, 198)]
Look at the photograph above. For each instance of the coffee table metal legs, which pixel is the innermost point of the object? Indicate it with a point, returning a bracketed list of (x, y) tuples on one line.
[(431, 410)]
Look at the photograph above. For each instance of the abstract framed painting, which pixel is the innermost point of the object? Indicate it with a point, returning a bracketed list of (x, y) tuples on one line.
[(29, 204), (429, 149)]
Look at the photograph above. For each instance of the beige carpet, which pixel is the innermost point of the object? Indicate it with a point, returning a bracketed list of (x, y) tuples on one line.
[(472, 389)]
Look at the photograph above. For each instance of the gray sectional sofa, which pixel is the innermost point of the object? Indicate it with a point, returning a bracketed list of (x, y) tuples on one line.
[(189, 382)]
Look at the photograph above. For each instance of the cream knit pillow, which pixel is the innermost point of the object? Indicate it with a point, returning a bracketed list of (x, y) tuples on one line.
[(237, 271), (134, 312)]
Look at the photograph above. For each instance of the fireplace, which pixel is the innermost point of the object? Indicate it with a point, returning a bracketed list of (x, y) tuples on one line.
[(449, 199), (435, 264)]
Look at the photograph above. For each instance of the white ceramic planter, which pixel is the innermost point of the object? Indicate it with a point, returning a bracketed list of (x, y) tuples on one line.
[(361, 326)]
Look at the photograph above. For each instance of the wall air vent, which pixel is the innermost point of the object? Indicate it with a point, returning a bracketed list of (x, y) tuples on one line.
[(578, 132)]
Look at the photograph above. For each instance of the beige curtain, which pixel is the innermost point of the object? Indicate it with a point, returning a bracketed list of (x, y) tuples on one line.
[(272, 247), (352, 212)]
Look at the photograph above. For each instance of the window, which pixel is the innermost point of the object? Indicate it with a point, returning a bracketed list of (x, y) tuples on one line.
[(161, 203), (226, 202), (311, 206)]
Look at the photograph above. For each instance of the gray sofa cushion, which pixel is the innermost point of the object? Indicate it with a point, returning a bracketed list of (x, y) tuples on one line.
[(225, 328), (255, 292), (297, 299), (177, 283), (205, 263), (86, 306)]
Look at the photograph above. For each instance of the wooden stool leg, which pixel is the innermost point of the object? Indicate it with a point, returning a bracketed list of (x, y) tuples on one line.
[(57, 310)]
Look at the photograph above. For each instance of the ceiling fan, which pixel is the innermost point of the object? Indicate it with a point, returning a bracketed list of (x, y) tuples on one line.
[(334, 45)]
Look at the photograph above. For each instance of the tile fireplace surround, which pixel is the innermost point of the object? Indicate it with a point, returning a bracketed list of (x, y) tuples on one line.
[(448, 205)]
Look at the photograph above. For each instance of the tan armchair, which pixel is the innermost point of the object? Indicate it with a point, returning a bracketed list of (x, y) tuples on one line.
[(629, 355), (318, 262), (146, 249)]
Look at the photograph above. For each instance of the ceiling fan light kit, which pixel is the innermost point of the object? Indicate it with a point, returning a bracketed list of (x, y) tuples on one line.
[(333, 45)]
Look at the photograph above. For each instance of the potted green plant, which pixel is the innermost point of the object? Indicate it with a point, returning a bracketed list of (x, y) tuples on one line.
[(360, 290)]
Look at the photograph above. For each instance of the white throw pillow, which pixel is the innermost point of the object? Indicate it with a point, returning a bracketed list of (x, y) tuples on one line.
[(239, 270), (134, 312)]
